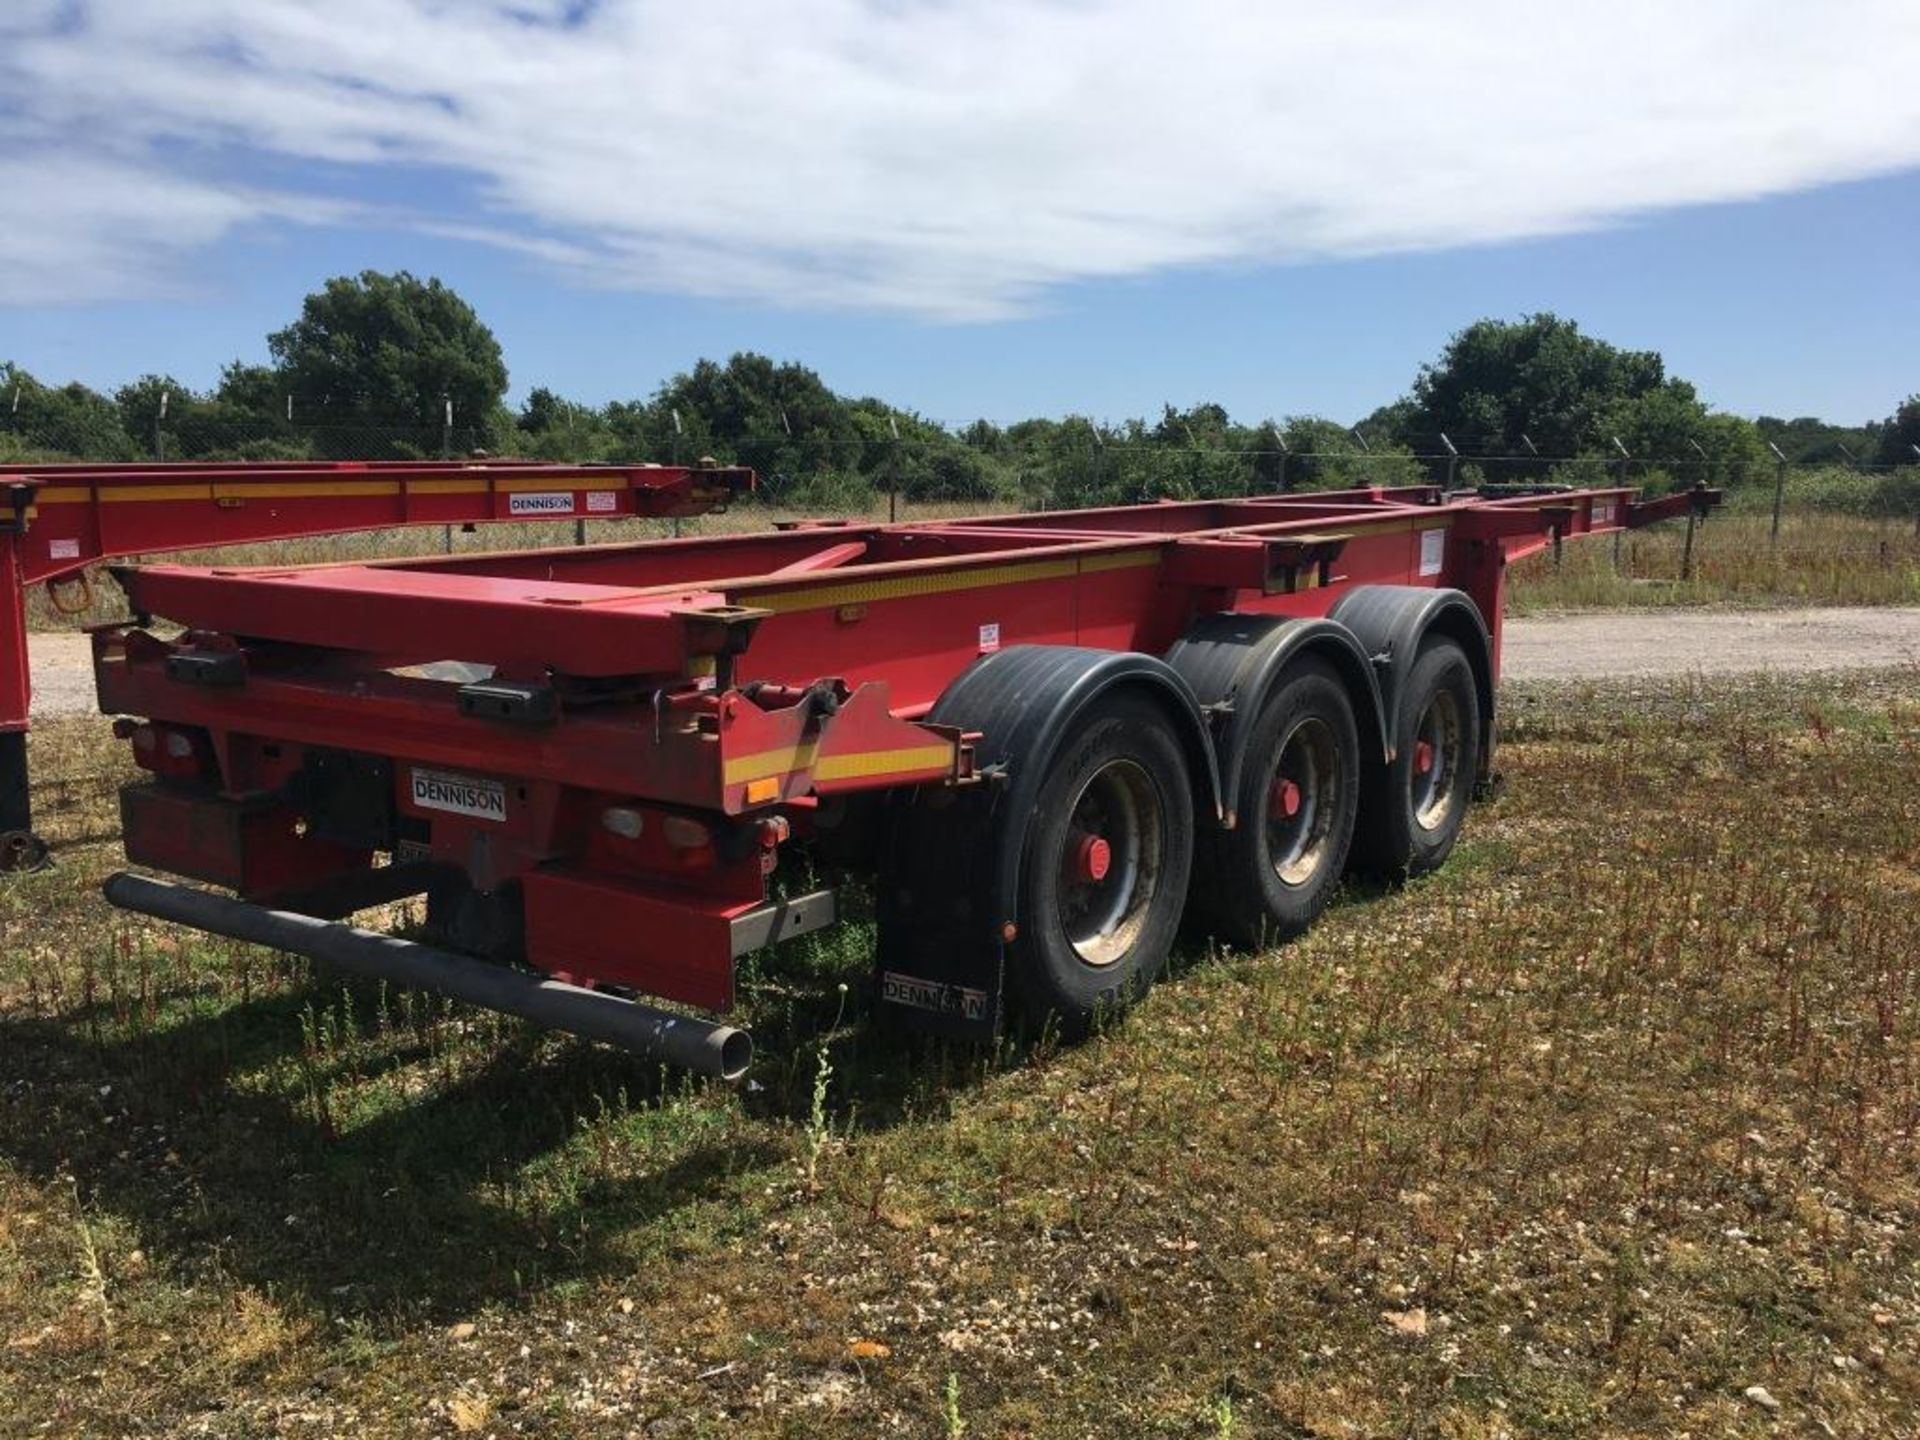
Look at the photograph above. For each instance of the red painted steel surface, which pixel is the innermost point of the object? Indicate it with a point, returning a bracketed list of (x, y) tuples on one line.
[(687, 703), (55, 520)]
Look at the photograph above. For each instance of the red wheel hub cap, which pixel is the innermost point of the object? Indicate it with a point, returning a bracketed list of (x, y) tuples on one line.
[(1284, 801), (1422, 756), (1091, 858)]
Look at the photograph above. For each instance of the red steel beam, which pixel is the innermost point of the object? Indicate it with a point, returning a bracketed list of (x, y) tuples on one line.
[(56, 520)]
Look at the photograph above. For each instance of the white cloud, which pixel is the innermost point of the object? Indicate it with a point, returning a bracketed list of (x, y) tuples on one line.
[(947, 158)]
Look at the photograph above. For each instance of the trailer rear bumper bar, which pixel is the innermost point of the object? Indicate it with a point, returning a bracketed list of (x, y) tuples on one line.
[(694, 1044)]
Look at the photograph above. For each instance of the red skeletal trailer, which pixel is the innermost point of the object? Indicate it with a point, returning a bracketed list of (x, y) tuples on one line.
[(1046, 736)]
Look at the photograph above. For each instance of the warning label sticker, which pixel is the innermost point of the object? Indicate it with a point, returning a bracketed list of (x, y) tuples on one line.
[(541, 502), (1433, 550), (63, 549), (989, 637), (459, 794), (602, 502)]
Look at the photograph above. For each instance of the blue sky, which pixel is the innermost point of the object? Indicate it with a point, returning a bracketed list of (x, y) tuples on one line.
[(970, 210)]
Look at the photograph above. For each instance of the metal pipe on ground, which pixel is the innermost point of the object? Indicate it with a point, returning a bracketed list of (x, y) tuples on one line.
[(693, 1044)]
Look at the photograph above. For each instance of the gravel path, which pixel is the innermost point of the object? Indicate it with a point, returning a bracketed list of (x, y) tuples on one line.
[(1639, 643), (1538, 647), (62, 675)]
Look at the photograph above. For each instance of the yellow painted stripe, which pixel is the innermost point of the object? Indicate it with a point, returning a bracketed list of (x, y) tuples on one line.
[(446, 487), (310, 491), (860, 764), (867, 763), (156, 492), (785, 760), (598, 482), (254, 490), (945, 582), (230, 490), (1119, 560)]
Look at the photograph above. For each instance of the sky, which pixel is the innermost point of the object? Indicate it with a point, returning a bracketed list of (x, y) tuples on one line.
[(980, 207)]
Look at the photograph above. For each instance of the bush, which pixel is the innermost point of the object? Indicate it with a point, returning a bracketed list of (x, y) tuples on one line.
[(1838, 490)]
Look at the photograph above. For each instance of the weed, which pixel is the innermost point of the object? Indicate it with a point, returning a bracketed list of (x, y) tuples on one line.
[(819, 1123), (950, 1416), (1220, 1417), (93, 1274)]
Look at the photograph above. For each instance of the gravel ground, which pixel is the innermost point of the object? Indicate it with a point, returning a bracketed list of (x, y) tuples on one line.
[(1538, 647), (1647, 643)]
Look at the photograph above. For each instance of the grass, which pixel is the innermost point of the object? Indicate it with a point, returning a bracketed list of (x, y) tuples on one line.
[(1609, 1122), (1822, 559)]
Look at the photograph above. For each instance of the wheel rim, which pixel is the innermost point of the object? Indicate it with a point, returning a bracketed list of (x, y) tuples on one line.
[(1110, 862), (1303, 801), (1436, 760)]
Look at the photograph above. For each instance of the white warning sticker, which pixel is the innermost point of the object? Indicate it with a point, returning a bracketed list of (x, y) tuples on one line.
[(1433, 550), (541, 502), (602, 502), (459, 794), (990, 637), (63, 549), (1603, 512)]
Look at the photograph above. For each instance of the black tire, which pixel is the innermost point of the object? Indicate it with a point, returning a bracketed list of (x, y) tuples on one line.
[(1090, 943), (1296, 801), (1411, 811)]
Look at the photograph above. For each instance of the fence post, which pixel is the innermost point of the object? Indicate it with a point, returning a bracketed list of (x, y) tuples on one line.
[(1453, 459), (893, 471), (1625, 461), (446, 428), (673, 455), (1779, 490), (159, 433), (1693, 515)]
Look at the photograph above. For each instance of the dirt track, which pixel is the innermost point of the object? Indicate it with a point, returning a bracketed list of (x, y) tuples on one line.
[(1538, 647)]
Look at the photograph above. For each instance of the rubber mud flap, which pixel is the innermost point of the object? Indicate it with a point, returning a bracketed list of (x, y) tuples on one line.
[(940, 968)]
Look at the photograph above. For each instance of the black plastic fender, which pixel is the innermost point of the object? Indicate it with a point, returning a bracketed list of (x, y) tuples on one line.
[(1232, 660), (1390, 621), (950, 870)]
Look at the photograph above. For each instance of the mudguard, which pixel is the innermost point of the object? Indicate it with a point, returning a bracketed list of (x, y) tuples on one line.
[(1390, 621), (950, 875), (1232, 661)]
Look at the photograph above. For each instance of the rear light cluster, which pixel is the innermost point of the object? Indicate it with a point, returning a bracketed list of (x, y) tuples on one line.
[(173, 751), (693, 841)]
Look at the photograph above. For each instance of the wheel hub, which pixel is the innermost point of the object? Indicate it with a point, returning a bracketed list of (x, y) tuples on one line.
[(1422, 756), (1092, 858), (1283, 801)]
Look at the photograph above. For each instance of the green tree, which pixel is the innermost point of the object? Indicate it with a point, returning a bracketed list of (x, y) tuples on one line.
[(1540, 378), (550, 427), (379, 352), (1898, 436), (70, 420), (1682, 440), (1807, 440), (1326, 455)]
